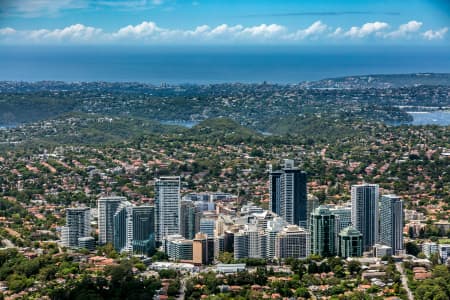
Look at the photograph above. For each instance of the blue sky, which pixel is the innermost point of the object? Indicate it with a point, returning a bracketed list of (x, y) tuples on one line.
[(403, 22)]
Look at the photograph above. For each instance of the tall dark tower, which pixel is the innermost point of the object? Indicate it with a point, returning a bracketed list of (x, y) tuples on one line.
[(288, 194)]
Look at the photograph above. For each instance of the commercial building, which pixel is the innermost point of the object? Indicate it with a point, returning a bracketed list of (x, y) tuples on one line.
[(429, 248), (167, 207), (134, 229), (323, 232), (189, 219), (365, 215), (178, 248), (288, 194), (380, 250), (78, 225), (343, 215), (350, 243), (391, 222), (107, 207), (293, 241)]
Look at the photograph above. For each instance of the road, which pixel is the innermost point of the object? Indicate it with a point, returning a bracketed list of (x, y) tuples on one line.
[(399, 267)]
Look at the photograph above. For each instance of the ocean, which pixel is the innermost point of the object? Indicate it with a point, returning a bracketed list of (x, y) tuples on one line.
[(201, 65)]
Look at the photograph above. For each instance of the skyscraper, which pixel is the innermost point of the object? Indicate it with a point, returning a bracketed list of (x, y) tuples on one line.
[(288, 194), (350, 242), (78, 225), (344, 216), (323, 232), (391, 222), (167, 207), (207, 226), (107, 207), (143, 229), (134, 229), (275, 191), (365, 215), (189, 219)]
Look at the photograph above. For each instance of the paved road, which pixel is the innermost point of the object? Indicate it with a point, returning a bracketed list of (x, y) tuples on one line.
[(404, 280)]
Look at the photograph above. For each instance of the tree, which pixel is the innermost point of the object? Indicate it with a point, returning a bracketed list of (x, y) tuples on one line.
[(412, 248), (354, 266)]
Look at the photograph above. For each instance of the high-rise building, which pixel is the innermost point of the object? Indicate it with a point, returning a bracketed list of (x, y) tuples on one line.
[(107, 207), (343, 215), (208, 225), (134, 229), (365, 215), (78, 225), (200, 253), (275, 191), (189, 219), (350, 243), (167, 207), (123, 227), (288, 194), (391, 222), (293, 241), (323, 232), (143, 229), (311, 205)]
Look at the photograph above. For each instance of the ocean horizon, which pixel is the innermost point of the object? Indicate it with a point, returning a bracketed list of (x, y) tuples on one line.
[(207, 65)]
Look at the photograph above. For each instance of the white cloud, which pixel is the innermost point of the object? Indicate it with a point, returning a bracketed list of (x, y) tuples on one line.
[(316, 29), (367, 29), (7, 31), (435, 35), (150, 32), (405, 30), (32, 8)]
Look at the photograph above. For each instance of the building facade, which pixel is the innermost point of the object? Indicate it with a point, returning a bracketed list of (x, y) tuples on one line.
[(293, 242), (323, 232), (365, 215), (107, 207), (167, 207), (350, 243), (78, 225), (391, 222)]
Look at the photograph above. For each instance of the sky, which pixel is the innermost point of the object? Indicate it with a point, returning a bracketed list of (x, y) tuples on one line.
[(234, 22)]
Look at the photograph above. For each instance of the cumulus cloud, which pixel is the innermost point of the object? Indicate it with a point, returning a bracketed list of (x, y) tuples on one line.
[(314, 30), (150, 32), (367, 29), (435, 35), (405, 30)]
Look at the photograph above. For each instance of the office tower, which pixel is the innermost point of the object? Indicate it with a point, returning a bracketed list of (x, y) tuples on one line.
[(78, 225), (167, 207), (107, 207), (350, 242), (391, 222), (288, 194), (275, 191), (189, 219), (200, 252), (240, 245), (323, 232), (293, 195), (343, 215), (177, 247), (134, 229), (208, 225), (365, 217), (123, 228), (293, 241), (273, 228), (311, 204), (143, 229)]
